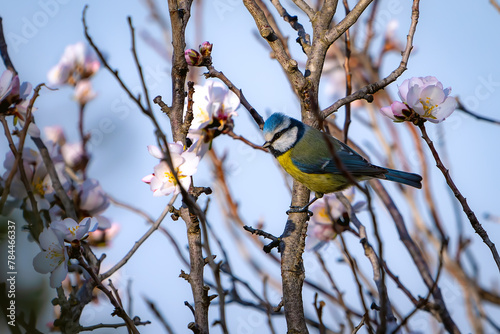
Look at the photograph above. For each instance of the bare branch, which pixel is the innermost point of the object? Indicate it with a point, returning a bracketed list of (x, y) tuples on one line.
[(288, 64), (304, 6), (304, 39)]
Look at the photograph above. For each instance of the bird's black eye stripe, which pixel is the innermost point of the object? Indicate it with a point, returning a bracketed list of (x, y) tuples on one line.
[(280, 133)]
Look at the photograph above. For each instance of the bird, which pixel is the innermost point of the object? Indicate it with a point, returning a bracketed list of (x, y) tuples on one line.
[(306, 154)]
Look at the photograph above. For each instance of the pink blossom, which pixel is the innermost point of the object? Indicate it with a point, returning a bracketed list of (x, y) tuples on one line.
[(395, 111), (426, 97)]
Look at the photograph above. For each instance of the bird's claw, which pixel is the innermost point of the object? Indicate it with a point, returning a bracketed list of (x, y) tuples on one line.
[(299, 209)]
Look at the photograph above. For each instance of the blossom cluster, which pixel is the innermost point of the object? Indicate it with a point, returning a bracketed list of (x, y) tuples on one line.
[(69, 160), (90, 197), (213, 108)]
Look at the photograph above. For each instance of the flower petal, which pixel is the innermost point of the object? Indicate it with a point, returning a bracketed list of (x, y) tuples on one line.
[(148, 178), (155, 151), (48, 238), (58, 275), (175, 148), (6, 83), (444, 110)]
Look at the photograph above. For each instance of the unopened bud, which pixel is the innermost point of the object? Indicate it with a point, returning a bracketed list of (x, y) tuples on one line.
[(206, 49), (193, 57)]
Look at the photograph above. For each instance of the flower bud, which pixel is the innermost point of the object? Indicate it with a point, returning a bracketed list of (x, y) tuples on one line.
[(84, 92), (193, 57), (206, 49)]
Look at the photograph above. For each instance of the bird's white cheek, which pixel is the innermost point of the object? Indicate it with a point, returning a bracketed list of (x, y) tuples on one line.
[(286, 141)]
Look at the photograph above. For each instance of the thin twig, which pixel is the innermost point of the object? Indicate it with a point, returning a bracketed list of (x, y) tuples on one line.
[(139, 242), (3, 50), (425, 301), (289, 65), (118, 308), (99, 326), (416, 255), (267, 248), (145, 110), (213, 73), (318, 307), (38, 227), (18, 153), (231, 134), (386, 309), (274, 26), (478, 228), (348, 76), (476, 116), (158, 315), (369, 27), (426, 180), (495, 4), (340, 297), (365, 92), (84, 138), (354, 269), (138, 65), (267, 304), (69, 206)]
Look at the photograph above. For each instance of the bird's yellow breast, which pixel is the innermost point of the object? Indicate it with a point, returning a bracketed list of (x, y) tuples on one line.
[(323, 183)]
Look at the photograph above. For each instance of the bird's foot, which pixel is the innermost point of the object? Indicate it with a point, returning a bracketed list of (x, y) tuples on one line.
[(299, 209)]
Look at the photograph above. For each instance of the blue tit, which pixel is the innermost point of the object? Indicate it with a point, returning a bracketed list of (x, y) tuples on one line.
[(304, 153)]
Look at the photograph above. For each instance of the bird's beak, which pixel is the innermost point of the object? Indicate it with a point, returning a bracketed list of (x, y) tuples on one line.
[(266, 144)]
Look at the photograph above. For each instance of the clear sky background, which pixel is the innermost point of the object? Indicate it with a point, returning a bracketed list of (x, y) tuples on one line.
[(456, 41)]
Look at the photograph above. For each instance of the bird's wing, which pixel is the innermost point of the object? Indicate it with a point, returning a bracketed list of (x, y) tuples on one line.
[(319, 159)]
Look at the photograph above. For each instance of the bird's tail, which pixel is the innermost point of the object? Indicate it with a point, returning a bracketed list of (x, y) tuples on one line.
[(404, 177)]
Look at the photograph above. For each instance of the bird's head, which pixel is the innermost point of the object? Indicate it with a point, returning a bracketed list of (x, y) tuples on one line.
[(281, 133)]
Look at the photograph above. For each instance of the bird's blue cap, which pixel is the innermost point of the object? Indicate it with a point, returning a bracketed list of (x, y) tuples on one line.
[(273, 121)]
